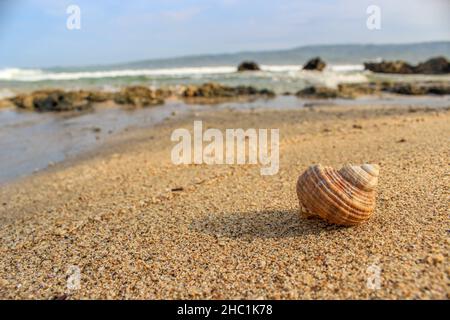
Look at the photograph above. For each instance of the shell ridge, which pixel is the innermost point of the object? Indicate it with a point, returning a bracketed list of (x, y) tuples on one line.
[(345, 196), (331, 198)]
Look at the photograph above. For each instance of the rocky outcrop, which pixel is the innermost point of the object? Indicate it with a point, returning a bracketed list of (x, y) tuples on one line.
[(99, 96), (439, 65), (423, 88), (403, 88), (248, 66), (134, 96), (215, 90), (53, 100), (315, 64), (318, 93), (209, 93), (60, 100), (399, 66), (354, 90), (139, 96)]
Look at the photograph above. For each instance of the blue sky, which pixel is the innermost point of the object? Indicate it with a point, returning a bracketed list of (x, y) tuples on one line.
[(33, 33)]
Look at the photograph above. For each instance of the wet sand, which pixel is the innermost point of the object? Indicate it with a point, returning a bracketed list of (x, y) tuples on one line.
[(138, 226), (35, 141)]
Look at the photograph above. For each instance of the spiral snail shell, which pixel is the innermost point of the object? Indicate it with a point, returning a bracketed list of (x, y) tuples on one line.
[(344, 197)]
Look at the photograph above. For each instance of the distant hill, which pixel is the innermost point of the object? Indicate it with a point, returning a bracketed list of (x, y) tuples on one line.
[(343, 53)]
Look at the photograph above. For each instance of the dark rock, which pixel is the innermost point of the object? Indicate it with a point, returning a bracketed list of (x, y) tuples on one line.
[(99, 96), (315, 64), (59, 100), (318, 92), (138, 96), (405, 88), (441, 89), (353, 90), (438, 65), (399, 66), (421, 88), (215, 90), (248, 66), (163, 93), (52, 100), (265, 92)]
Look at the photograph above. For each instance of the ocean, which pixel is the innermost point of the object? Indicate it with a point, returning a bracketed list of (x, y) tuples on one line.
[(281, 70), (279, 78), (35, 141)]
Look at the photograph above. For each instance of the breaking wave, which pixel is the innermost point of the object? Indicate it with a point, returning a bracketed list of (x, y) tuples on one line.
[(30, 75)]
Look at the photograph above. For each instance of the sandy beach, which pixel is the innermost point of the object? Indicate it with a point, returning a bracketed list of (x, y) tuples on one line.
[(138, 227)]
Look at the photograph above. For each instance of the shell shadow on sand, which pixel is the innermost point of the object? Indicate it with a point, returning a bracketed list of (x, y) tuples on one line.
[(261, 224)]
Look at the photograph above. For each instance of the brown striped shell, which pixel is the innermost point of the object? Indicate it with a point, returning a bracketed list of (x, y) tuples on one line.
[(345, 196)]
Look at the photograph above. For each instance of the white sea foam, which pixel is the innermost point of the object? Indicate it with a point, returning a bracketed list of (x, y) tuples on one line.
[(19, 74), (331, 78), (281, 68), (346, 67), (39, 75), (30, 75)]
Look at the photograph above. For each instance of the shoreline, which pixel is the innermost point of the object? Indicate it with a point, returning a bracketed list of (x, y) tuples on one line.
[(38, 141), (230, 233)]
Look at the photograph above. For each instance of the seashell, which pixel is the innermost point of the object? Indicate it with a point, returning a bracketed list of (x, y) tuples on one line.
[(345, 196)]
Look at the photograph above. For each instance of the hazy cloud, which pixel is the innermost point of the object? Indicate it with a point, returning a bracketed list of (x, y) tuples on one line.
[(114, 30)]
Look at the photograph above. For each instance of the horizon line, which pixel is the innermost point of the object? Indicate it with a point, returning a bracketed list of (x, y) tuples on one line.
[(199, 55)]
